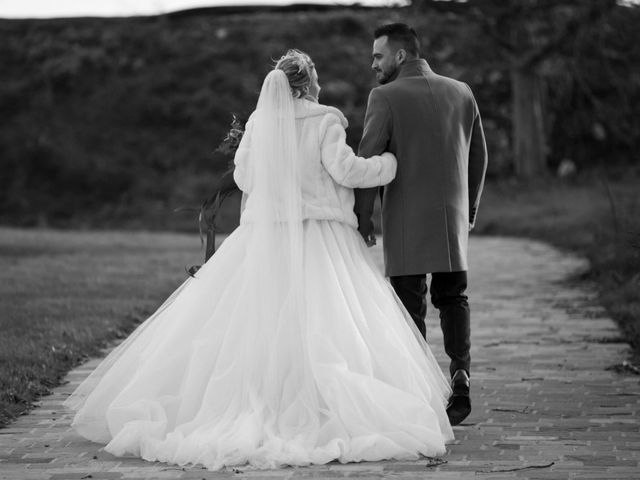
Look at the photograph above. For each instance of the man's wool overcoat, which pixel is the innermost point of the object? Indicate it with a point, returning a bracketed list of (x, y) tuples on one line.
[(432, 125)]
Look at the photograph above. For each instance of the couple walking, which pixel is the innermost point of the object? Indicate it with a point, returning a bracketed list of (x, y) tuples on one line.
[(290, 347)]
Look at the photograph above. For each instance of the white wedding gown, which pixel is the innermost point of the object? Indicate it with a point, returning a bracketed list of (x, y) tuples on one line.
[(224, 374)]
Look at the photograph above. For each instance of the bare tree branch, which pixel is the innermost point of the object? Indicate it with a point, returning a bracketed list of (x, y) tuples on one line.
[(499, 19), (593, 13)]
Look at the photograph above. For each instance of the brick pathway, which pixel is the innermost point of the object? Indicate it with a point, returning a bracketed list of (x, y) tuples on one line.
[(546, 403)]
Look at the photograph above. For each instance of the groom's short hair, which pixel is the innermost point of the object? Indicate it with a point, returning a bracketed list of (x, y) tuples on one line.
[(402, 34)]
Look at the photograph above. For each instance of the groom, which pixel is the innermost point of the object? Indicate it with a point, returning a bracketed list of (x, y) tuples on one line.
[(432, 124)]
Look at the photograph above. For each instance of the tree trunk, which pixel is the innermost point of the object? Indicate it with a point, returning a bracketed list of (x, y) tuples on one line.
[(529, 137)]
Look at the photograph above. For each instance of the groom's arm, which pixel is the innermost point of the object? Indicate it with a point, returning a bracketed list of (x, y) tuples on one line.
[(375, 140), (477, 165)]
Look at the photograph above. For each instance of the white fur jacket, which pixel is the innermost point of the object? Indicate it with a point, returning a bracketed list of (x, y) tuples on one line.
[(330, 169)]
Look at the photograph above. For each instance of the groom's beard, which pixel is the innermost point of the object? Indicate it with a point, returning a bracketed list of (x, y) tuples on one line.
[(385, 77)]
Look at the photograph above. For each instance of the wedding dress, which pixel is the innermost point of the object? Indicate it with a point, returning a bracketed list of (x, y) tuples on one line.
[(288, 347)]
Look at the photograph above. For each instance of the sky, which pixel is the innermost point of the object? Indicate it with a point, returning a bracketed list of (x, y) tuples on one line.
[(116, 8)]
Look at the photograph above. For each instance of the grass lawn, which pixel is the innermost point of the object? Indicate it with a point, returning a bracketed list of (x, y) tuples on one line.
[(65, 295), (596, 215)]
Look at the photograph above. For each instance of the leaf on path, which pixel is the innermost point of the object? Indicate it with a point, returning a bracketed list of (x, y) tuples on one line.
[(435, 461), (518, 469), (512, 410), (625, 367)]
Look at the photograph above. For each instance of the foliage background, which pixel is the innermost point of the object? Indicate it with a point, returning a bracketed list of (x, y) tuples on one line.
[(114, 122)]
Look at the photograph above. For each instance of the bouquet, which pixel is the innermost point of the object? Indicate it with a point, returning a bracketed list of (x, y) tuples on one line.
[(229, 145), (210, 208)]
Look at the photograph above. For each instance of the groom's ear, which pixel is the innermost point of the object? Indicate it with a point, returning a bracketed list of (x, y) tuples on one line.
[(401, 56)]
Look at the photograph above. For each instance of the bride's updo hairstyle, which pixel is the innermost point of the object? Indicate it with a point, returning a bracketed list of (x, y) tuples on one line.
[(297, 65)]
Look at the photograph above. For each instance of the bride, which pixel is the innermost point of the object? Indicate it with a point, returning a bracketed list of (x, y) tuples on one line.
[(289, 347)]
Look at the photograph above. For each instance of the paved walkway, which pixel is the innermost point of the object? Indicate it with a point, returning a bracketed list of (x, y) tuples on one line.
[(546, 402)]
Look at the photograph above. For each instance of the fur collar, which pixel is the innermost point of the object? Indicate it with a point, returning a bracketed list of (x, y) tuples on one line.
[(306, 108)]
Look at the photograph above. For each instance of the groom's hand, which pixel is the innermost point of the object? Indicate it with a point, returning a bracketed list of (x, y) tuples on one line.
[(371, 241), (365, 227)]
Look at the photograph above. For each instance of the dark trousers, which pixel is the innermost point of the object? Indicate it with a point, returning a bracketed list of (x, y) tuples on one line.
[(448, 296)]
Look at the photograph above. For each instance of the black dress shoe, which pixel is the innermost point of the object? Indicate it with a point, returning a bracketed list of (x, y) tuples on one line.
[(459, 406)]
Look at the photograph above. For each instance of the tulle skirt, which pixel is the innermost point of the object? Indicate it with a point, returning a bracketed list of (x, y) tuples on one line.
[(205, 380)]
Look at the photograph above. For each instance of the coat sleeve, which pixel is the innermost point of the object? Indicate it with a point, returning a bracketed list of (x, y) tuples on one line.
[(241, 160), (375, 140), (347, 168), (478, 160)]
